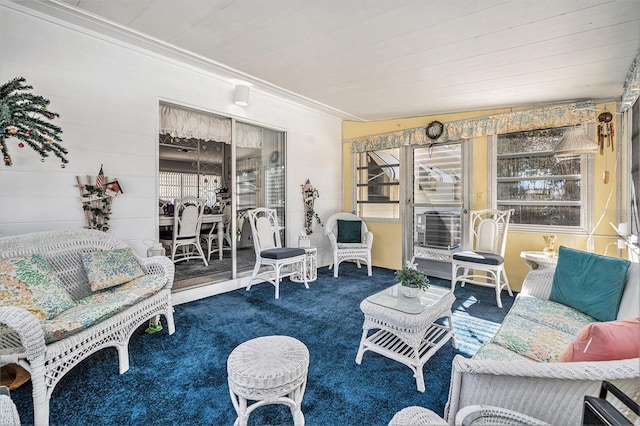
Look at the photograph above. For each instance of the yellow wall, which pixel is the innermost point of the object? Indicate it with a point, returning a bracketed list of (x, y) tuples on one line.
[(387, 247)]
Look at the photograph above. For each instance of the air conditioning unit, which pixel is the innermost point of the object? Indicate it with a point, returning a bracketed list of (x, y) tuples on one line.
[(439, 230)]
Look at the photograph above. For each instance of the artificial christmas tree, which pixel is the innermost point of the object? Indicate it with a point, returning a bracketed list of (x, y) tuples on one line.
[(23, 116)]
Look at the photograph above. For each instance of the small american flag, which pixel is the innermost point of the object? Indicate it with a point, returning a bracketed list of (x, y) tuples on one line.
[(100, 178)]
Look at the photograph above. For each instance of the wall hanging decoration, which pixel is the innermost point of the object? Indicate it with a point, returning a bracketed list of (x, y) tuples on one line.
[(96, 198), (24, 116), (309, 195), (605, 130), (434, 130)]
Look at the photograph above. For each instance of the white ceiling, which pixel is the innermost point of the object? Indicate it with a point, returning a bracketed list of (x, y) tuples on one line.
[(383, 59)]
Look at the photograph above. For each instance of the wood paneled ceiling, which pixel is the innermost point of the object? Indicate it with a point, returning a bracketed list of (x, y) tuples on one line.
[(383, 59)]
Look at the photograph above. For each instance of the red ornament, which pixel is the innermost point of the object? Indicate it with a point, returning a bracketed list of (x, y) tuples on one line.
[(20, 145), (52, 116), (28, 132)]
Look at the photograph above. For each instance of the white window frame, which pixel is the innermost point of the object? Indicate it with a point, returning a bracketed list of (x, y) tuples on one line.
[(355, 180), (586, 192)]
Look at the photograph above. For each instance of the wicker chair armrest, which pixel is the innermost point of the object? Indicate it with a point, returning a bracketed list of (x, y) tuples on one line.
[(368, 239), (490, 415), (332, 240), (20, 333), (551, 392), (593, 370), (538, 283), (416, 416), (159, 265)]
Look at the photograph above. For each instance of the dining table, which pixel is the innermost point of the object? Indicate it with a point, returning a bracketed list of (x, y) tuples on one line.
[(215, 219)]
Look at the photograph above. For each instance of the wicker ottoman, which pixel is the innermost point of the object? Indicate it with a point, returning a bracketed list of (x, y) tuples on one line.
[(268, 370)]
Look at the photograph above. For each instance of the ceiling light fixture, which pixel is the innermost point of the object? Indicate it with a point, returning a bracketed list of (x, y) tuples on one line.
[(575, 142), (241, 95)]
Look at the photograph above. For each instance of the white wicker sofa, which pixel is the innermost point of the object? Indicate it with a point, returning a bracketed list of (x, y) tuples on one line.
[(50, 348), (544, 389)]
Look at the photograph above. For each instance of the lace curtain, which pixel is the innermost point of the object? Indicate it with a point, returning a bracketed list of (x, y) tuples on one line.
[(184, 123), (519, 121)]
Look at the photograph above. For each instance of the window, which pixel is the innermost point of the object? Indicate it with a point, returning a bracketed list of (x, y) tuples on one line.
[(174, 185), (541, 189), (378, 184)]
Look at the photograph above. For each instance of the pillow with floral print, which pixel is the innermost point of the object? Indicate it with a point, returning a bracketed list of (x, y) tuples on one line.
[(109, 268), (30, 283)]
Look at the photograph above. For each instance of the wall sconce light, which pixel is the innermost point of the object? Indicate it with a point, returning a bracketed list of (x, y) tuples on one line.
[(241, 95), (575, 142)]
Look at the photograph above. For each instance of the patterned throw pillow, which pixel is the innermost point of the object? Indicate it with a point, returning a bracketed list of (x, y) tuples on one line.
[(109, 268), (30, 283)]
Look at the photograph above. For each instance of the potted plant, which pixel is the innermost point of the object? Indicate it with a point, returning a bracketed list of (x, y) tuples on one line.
[(412, 280)]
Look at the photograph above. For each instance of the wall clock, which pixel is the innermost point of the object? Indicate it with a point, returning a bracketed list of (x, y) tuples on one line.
[(434, 129)]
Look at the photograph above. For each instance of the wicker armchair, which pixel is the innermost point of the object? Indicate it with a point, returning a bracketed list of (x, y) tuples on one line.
[(356, 251)]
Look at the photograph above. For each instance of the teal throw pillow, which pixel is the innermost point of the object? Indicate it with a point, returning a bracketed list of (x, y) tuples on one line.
[(109, 268), (30, 283), (349, 231), (590, 283)]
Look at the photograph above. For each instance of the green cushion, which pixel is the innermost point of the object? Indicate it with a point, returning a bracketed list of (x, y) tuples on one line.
[(349, 231), (108, 268), (589, 282), (30, 283)]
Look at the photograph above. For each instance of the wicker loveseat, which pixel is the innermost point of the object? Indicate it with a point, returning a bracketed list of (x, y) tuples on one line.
[(49, 348), (498, 375)]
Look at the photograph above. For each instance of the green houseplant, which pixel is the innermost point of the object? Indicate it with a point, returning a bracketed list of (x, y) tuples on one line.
[(412, 280)]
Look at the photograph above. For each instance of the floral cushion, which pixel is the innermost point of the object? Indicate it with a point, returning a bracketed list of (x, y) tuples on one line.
[(30, 283), (108, 268), (532, 339), (551, 314), (491, 351), (101, 306)]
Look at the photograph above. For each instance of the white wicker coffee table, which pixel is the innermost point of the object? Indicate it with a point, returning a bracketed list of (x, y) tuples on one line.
[(407, 331), (268, 370)]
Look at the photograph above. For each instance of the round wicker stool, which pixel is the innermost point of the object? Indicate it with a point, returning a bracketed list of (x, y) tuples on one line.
[(268, 370)]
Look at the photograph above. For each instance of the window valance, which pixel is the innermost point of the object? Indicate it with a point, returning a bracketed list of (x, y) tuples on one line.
[(631, 87), (519, 121), (183, 123), (248, 136)]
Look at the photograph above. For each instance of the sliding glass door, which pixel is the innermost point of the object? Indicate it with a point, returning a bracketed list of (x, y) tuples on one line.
[(234, 167), (260, 167)]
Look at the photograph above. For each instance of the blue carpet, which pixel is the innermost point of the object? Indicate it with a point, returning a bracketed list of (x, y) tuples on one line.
[(181, 379)]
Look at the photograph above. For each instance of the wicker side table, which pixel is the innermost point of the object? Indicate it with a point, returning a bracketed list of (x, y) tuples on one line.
[(268, 370), (311, 254), (407, 329)]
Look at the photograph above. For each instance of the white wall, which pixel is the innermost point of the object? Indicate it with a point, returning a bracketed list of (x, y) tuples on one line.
[(107, 94)]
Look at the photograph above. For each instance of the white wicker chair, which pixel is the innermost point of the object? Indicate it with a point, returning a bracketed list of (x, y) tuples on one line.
[(21, 335), (358, 252), (187, 221), (269, 250), (489, 240), (212, 235)]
